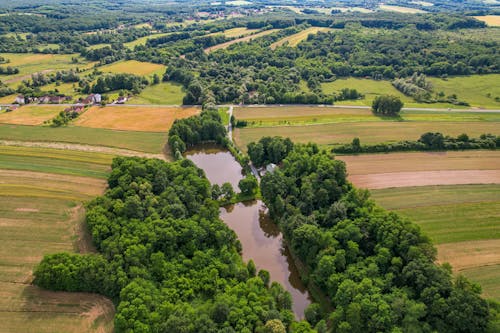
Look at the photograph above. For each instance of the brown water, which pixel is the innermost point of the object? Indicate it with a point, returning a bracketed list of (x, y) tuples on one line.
[(219, 165), (260, 238), (263, 243)]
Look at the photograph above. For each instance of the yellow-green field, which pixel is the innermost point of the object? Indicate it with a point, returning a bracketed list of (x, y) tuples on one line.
[(235, 32), (473, 89), (42, 213), (134, 67), (149, 142), (295, 39), (401, 9), (368, 132), (462, 220), (143, 40), (29, 63), (490, 20), (31, 114), (239, 40), (167, 93), (97, 46)]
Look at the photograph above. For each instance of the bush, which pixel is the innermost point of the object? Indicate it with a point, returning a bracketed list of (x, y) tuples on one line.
[(387, 105)]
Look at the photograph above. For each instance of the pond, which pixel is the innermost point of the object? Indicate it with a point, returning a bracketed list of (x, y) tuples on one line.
[(260, 238)]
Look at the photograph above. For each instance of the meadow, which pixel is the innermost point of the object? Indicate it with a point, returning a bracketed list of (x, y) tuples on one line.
[(490, 20), (42, 213), (477, 90), (462, 220), (166, 93), (400, 9), (239, 40), (143, 40), (371, 132), (235, 32), (295, 39), (149, 142), (31, 114), (134, 67), (134, 118)]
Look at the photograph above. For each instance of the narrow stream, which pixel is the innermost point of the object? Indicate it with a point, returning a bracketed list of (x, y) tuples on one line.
[(260, 238)]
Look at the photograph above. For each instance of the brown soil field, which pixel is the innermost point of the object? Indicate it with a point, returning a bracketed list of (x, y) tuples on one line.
[(134, 118), (243, 39), (31, 114), (426, 178), (466, 255), (431, 161)]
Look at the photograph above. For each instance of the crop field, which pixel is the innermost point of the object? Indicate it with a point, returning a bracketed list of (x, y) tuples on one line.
[(369, 132), (143, 40), (239, 40), (462, 220), (295, 39), (167, 93), (237, 32), (149, 142), (31, 114), (401, 9), (134, 67), (477, 90), (308, 115), (491, 20), (41, 213), (60, 161), (134, 118), (30, 63)]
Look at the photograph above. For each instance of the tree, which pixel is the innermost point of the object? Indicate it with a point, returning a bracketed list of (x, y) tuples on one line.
[(274, 326), (248, 185), (387, 105), (227, 191)]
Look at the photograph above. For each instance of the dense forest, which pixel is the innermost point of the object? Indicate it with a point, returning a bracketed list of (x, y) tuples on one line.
[(375, 268), (166, 258)]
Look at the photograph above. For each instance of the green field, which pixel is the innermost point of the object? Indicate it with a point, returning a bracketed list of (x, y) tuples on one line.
[(166, 93), (295, 39), (143, 40), (371, 132), (462, 220), (150, 142), (42, 213), (472, 89), (59, 161)]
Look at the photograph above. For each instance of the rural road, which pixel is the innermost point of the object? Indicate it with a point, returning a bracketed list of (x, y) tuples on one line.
[(230, 126), (80, 147)]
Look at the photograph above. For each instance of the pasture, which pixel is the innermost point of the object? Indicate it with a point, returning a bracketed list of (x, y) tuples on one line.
[(490, 20), (30, 63), (239, 40), (149, 142), (401, 9), (371, 132), (134, 118), (134, 67), (308, 115), (166, 93), (462, 220), (295, 39), (143, 40), (31, 114), (41, 213)]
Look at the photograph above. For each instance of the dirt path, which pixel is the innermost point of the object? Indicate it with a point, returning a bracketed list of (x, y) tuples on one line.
[(80, 147), (425, 178)]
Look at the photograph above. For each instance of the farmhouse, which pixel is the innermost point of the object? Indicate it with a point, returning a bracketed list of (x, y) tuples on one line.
[(92, 99), (20, 100)]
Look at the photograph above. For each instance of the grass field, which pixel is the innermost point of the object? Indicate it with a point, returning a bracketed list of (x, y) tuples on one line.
[(97, 46), (401, 9), (143, 40), (477, 90), (368, 132), (41, 213), (295, 39), (490, 20), (59, 161), (167, 93), (242, 39), (464, 222), (134, 118), (31, 114), (307, 115), (150, 142), (235, 32), (134, 67), (29, 63)]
